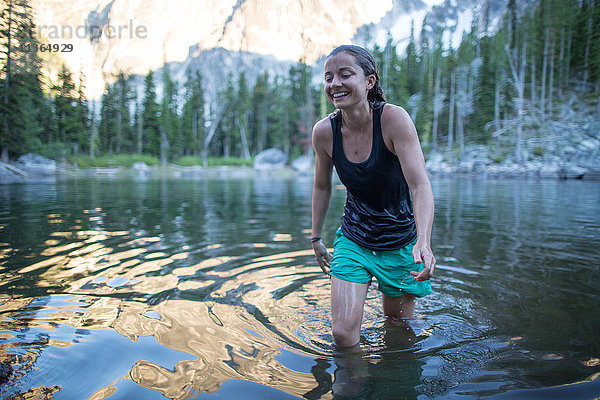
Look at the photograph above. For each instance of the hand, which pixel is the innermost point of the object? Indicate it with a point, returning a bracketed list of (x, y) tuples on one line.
[(422, 254), (322, 255)]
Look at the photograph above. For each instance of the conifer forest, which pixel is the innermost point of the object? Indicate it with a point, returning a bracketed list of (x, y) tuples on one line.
[(508, 87)]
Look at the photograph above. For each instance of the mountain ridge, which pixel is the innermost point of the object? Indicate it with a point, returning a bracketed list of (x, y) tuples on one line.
[(176, 32)]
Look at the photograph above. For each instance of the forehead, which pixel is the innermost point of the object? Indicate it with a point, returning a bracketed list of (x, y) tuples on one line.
[(340, 61)]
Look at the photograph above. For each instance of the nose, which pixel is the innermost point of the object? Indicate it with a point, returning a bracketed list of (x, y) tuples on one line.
[(335, 82)]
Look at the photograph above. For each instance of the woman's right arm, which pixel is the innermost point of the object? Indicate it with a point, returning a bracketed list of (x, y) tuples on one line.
[(322, 143)]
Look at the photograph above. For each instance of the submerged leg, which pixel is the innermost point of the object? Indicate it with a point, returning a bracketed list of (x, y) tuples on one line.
[(351, 375), (347, 302), (398, 308)]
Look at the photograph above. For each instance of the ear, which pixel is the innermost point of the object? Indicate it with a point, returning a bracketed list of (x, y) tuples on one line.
[(371, 80)]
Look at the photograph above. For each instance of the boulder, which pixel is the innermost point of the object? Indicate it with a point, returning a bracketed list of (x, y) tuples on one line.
[(570, 171), (436, 164), (549, 171), (270, 159), (36, 164), (591, 146), (466, 166), (141, 168), (303, 164)]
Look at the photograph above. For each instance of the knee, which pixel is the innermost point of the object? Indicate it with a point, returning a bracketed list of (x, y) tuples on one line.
[(344, 337)]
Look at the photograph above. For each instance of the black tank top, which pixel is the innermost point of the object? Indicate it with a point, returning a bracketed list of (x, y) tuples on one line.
[(378, 213)]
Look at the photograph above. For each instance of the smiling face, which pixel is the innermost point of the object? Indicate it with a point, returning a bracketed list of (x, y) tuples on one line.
[(345, 81)]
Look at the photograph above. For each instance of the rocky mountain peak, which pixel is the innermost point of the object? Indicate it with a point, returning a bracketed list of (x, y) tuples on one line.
[(135, 36)]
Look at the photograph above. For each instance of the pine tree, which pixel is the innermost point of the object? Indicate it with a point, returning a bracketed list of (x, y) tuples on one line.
[(242, 111), (412, 63), (171, 138), (260, 104), (485, 90), (150, 122), (82, 115), (193, 115), (108, 120), (227, 127), (23, 105), (301, 111), (65, 110), (278, 122), (124, 135)]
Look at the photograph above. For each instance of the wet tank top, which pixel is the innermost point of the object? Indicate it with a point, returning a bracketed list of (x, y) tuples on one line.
[(378, 213)]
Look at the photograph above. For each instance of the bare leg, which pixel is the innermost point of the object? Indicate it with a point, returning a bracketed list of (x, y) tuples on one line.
[(398, 308), (351, 373), (347, 302)]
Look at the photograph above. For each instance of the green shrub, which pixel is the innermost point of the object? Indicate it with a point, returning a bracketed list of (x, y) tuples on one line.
[(56, 150), (538, 151), (116, 160), (188, 161)]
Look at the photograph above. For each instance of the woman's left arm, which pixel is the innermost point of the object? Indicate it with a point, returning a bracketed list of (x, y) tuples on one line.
[(399, 129)]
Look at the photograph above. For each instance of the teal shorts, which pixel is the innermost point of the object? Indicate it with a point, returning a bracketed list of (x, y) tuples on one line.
[(354, 263)]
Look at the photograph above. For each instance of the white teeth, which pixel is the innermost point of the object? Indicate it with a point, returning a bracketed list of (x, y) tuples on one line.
[(336, 95)]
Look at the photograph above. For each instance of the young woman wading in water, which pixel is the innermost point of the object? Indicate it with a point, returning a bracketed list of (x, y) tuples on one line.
[(376, 153)]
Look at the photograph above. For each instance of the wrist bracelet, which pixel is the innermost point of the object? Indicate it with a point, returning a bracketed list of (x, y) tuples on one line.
[(315, 239)]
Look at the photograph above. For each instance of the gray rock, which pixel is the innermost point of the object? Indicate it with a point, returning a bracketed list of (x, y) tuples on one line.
[(476, 152), (590, 145), (140, 166), (36, 164), (435, 163), (270, 159), (466, 166), (592, 167), (303, 164), (570, 171), (141, 169), (532, 168), (549, 170)]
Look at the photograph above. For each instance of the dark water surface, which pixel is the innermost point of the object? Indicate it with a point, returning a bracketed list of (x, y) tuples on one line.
[(206, 288)]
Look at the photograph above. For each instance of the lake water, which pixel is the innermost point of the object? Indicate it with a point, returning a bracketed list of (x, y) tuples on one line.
[(207, 288)]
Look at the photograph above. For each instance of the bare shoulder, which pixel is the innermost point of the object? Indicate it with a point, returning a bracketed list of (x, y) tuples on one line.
[(322, 128), (397, 128), (396, 118), (322, 136)]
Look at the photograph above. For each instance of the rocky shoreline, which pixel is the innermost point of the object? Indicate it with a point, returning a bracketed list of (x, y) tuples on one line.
[(587, 169), (474, 162)]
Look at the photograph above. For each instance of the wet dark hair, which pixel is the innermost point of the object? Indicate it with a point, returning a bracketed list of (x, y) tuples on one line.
[(366, 61)]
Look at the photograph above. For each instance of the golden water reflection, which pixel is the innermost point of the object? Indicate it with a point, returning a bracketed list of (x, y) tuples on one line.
[(235, 331)]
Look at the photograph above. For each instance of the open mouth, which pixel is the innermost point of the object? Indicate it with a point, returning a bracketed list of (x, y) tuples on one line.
[(339, 95)]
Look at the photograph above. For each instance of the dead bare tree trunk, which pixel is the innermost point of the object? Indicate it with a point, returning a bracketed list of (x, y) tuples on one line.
[(544, 73), (532, 83), (195, 139), (561, 57), (451, 110), (245, 149), (518, 81), (140, 131), (211, 133), (437, 107), (164, 146), (460, 129), (586, 57), (568, 58), (119, 133), (93, 130), (497, 100), (551, 82)]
